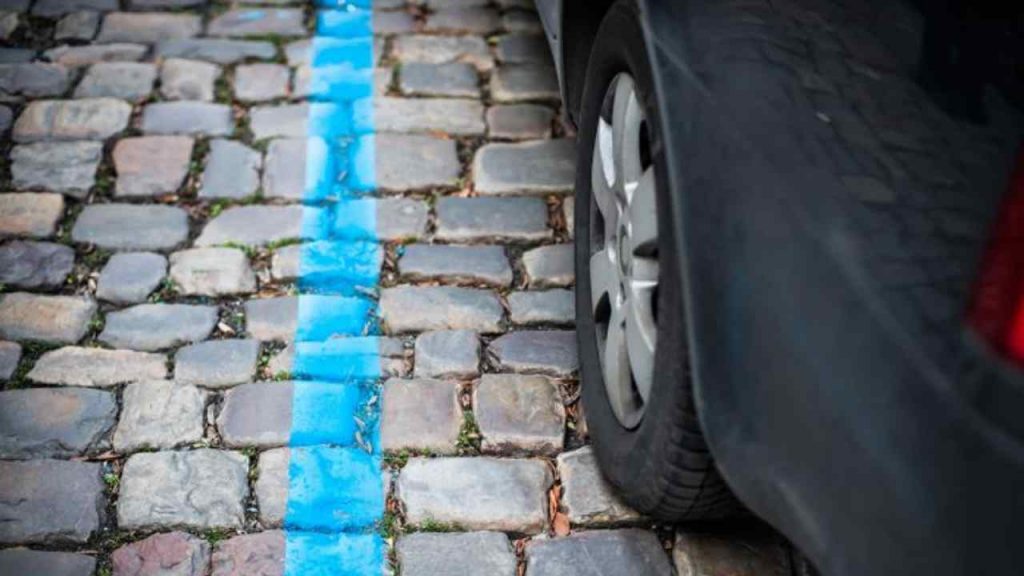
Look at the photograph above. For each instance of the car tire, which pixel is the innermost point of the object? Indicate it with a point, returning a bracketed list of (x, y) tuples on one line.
[(661, 466)]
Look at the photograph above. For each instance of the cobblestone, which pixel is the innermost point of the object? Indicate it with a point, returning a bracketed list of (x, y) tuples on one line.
[(170, 554), (212, 272), (182, 79), (460, 264), (420, 415), (217, 363), (542, 307), (129, 278), (131, 227), (25, 561), (10, 355), (256, 22), (400, 219), (30, 215), (476, 493), (519, 121), (151, 165), (521, 21), (61, 319), (415, 162), (386, 23), (750, 552), (199, 489), (431, 49), (417, 308), (261, 554), (85, 119), (550, 266), (35, 264), (271, 486), (551, 352), (469, 554), (232, 171), (234, 225), (159, 414), (617, 552), (492, 220), (65, 167), (542, 167), (261, 82), (53, 423), (448, 354), (28, 491), (524, 82), (184, 117), (481, 21), (79, 56), (284, 175), (216, 50), (269, 319), (132, 81), (156, 326), (97, 367), (258, 414), (429, 115), (523, 49), (284, 121), (586, 496), (455, 79), (32, 80), (519, 414), (81, 25), (52, 8), (149, 27)]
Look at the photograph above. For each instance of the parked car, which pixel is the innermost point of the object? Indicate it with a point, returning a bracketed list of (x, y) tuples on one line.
[(800, 268)]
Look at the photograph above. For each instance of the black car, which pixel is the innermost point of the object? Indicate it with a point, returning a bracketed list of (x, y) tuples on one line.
[(800, 269)]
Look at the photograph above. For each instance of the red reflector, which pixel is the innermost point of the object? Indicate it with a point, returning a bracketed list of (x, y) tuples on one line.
[(997, 309)]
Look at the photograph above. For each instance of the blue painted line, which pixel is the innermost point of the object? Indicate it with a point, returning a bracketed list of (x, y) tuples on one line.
[(335, 483)]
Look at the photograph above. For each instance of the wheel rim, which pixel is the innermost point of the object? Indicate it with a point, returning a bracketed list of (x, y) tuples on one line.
[(624, 251)]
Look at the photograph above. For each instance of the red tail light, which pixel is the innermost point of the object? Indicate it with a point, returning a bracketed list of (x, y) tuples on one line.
[(997, 310)]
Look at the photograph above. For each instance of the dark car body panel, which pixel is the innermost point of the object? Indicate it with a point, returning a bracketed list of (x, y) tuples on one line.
[(840, 186)]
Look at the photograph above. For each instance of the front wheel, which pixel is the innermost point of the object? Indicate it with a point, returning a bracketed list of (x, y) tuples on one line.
[(637, 389)]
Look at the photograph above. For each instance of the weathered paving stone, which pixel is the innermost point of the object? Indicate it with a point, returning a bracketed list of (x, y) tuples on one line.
[(65, 167), (417, 308), (63, 319), (258, 22), (492, 220), (523, 49), (97, 367), (519, 414), (448, 354), (53, 423), (85, 119), (148, 27), (542, 167), (451, 116), (212, 272), (611, 552), (198, 489), (155, 326), (232, 171), (523, 82), (276, 223), (431, 49), (185, 117), (460, 264), (217, 363), (129, 278), (551, 352), (33, 80), (420, 415), (49, 501), (456, 79), (476, 493), (170, 554), (24, 561), (386, 23), (284, 174), (182, 79), (751, 552), (542, 307), (81, 25), (519, 121), (586, 496), (52, 8), (6, 118), (469, 554), (550, 266), (441, 4), (260, 554), (482, 21), (521, 22), (145, 4), (151, 165), (287, 121), (10, 355), (216, 50), (415, 162), (159, 414), (271, 486), (30, 215), (131, 227), (268, 319), (261, 82), (78, 56), (35, 264), (257, 414), (400, 219), (393, 358)]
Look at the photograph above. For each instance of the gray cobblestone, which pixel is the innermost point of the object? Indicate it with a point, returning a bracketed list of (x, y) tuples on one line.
[(551, 352), (182, 79), (97, 367), (258, 22), (284, 174), (421, 415), (260, 554), (33, 80), (10, 355), (232, 171), (235, 225), (519, 121), (65, 167), (53, 423), (271, 486), (258, 414), (549, 266), (476, 493), (9, 22), (455, 79), (460, 264), (216, 50), (386, 23), (415, 162), (261, 82), (156, 326), (25, 561), (542, 167), (6, 118), (148, 27), (521, 22), (151, 165), (542, 307), (400, 219), (170, 554), (217, 363), (79, 56), (750, 552), (35, 264), (131, 227), (198, 489), (30, 215), (586, 496), (62, 319), (86, 119), (28, 491), (52, 8), (611, 552), (481, 21), (129, 278), (15, 55), (185, 117), (452, 116), (285, 121), (159, 414), (432, 49), (524, 82), (523, 49), (268, 319), (212, 272), (519, 414), (468, 554), (492, 220), (81, 25), (417, 308), (448, 354)]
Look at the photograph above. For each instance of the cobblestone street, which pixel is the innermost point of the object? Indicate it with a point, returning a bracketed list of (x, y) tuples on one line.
[(169, 276)]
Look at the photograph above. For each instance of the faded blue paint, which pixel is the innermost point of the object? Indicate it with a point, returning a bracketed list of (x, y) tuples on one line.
[(313, 554), (339, 359)]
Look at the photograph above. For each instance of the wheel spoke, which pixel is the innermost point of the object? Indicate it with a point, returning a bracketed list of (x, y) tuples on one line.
[(603, 194), (643, 226), (604, 279), (627, 116), (641, 335), (615, 365)]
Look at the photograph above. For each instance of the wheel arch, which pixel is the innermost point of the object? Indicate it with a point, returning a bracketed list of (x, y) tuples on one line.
[(580, 21)]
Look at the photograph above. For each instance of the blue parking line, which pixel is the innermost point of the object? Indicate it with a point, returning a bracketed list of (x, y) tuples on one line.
[(335, 483)]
